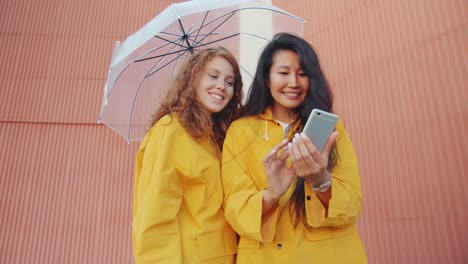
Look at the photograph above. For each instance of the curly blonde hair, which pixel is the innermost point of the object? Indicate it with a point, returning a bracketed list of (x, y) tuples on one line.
[(182, 98)]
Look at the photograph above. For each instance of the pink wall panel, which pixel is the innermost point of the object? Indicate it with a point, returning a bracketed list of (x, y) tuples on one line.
[(398, 69), (65, 194)]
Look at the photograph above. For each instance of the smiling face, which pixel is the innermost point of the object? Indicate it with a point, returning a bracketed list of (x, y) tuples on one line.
[(216, 86), (288, 84)]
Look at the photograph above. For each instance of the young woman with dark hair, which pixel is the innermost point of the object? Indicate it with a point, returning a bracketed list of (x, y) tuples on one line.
[(178, 196), (288, 202)]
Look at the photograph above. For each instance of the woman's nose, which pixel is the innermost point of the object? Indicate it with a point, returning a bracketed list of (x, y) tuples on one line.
[(220, 84), (293, 80)]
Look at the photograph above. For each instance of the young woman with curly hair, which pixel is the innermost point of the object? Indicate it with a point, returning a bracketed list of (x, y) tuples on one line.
[(178, 196)]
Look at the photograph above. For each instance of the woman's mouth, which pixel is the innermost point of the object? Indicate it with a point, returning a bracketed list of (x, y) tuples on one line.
[(292, 94), (216, 96)]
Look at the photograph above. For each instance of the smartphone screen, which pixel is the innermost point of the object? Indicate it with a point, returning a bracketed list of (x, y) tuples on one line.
[(319, 127)]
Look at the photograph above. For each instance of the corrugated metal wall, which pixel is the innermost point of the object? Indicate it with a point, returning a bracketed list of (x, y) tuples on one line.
[(399, 71)]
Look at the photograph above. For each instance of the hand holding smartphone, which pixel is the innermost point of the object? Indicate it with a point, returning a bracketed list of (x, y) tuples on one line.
[(319, 126)]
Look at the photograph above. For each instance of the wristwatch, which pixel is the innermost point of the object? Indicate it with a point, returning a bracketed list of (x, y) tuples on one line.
[(322, 187)]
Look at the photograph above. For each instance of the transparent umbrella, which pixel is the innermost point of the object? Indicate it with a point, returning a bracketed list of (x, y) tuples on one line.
[(144, 64)]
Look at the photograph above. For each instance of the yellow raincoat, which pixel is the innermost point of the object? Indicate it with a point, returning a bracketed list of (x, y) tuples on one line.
[(332, 239), (178, 196)]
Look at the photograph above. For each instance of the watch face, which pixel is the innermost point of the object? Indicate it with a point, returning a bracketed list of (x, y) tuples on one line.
[(324, 186)]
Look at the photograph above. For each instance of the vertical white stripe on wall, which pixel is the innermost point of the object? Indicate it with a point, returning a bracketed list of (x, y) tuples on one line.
[(255, 23)]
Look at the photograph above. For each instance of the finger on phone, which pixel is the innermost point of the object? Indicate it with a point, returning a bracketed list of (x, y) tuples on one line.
[(330, 142), (274, 151), (279, 146), (308, 143), (283, 153)]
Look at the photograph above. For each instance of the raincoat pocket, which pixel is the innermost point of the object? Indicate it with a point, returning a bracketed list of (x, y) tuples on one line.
[(319, 234), (216, 244)]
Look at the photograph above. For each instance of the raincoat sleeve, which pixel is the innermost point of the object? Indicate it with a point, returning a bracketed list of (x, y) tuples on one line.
[(157, 196), (242, 200), (345, 203)]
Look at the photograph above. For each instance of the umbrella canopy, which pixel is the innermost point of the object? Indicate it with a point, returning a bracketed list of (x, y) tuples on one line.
[(144, 64)]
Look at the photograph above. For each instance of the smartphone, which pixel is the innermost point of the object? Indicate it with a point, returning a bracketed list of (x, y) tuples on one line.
[(319, 126)]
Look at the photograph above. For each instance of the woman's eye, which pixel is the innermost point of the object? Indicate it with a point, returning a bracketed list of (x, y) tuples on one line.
[(213, 76), (230, 83), (283, 73)]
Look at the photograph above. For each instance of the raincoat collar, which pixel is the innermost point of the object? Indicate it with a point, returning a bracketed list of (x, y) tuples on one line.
[(267, 114)]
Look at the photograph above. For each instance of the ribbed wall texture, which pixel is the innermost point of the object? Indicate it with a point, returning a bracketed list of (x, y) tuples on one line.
[(65, 194), (399, 73), (398, 69), (66, 182)]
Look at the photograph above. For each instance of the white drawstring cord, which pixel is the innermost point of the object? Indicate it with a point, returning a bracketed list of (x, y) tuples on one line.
[(266, 130)]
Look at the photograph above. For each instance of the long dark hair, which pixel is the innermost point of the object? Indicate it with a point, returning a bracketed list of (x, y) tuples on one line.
[(182, 98), (319, 96)]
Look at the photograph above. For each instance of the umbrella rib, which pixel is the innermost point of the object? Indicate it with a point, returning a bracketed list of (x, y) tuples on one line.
[(200, 28), (234, 35), (194, 38), (165, 54), (160, 47), (126, 67), (245, 70), (139, 60), (220, 17), (168, 42), (214, 41), (181, 53), (195, 20), (170, 34), (185, 36), (138, 91), (175, 66), (161, 58), (231, 13), (195, 43), (140, 86), (240, 33)]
